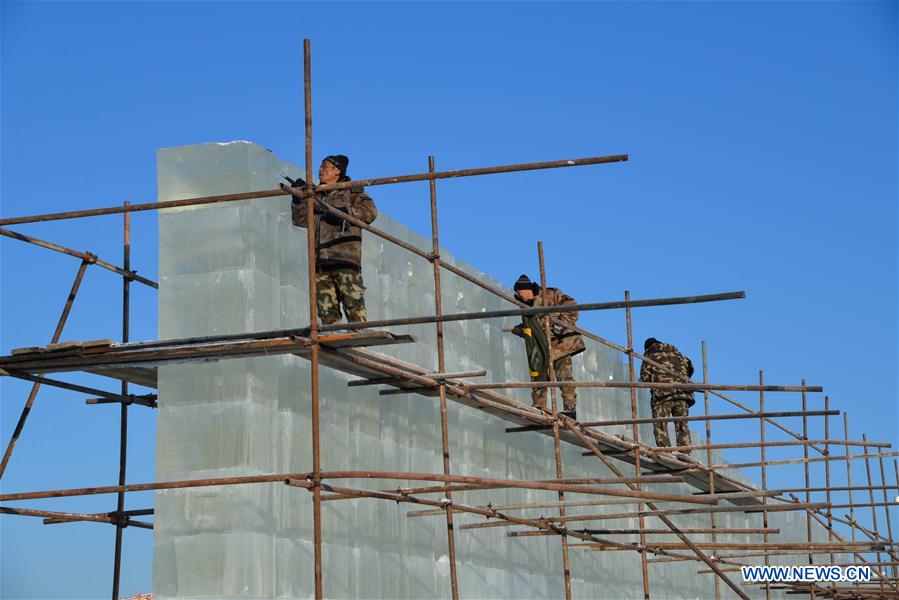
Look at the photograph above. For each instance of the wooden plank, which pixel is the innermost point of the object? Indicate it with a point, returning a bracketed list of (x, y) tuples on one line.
[(368, 338), (28, 350), (97, 343), (64, 346)]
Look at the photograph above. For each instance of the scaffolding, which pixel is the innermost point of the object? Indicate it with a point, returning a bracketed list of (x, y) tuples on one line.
[(348, 350)]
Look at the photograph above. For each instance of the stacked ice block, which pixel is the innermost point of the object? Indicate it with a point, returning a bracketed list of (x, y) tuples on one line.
[(241, 267)]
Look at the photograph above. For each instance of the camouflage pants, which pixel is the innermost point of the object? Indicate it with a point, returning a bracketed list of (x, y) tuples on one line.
[(671, 408), (563, 371), (336, 287)]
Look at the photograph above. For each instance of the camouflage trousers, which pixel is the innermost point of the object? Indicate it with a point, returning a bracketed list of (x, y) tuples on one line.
[(336, 287), (563, 372), (671, 408)]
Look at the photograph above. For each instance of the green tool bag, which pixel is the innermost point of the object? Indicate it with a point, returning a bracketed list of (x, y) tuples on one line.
[(536, 347)]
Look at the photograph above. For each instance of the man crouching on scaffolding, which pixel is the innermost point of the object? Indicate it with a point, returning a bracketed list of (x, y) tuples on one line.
[(564, 342), (338, 244)]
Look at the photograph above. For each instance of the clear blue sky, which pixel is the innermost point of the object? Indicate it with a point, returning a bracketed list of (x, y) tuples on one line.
[(763, 150)]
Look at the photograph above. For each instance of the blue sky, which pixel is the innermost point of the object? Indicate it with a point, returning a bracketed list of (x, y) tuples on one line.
[(763, 153)]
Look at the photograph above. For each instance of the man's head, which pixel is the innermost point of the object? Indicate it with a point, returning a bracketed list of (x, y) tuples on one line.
[(333, 168), (649, 342), (525, 289)]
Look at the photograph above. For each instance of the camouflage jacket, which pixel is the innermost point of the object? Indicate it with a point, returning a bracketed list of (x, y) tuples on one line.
[(338, 243), (564, 342), (668, 355)]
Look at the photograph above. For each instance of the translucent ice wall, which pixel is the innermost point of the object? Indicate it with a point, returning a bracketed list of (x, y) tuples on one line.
[(241, 267)]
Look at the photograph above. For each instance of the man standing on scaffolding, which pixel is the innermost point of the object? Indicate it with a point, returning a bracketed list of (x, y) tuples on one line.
[(564, 342), (668, 403), (338, 248)]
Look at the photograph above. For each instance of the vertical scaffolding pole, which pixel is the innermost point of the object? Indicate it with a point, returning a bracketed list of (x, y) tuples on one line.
[(808, 494), (123, 420), (886, 508), (441, 368), (708, 441), (827, 478), (849, 478), (32, 395), (764, 475), (566, 563), (849, 474), (872, 501), (632, 376), (896, 475), (313, 323)]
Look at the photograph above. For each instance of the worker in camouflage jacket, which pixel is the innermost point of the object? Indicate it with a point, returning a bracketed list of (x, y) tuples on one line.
[(338, 243), (667, 403), (564, 342)]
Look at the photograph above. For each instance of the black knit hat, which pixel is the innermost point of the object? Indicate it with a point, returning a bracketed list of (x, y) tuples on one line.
[(649, 342), (340, 161), (524, 283)]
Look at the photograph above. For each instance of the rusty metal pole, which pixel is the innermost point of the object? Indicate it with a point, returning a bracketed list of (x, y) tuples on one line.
[(849, 474), (852, 525), (764, 474), (883, 482), (123, 419), (896, 474), (313, 324), (827, 479), (635, 432), (32, 395), (871, 497), (808, 494), (566, 563), (708, 437), (441, 368)]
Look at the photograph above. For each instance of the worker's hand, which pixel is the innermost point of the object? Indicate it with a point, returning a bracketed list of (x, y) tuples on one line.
[(557, 329), (517, 331)]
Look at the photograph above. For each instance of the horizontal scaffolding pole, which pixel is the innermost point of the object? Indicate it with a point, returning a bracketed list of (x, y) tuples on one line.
[(440, 489), (535, 505), (793, 461), (303, 332), (773, 415), (73, 387), (837, 488), (761, 445), (706, 530), (828, 546), (141, 512), (665, 512), (52, 517), (542, 310), (148, 400), (788, 553), (219, 481), (644, 384), (113, 210), (87, 256)]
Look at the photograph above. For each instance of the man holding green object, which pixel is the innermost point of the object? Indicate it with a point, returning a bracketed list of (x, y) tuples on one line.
[(564, 342)]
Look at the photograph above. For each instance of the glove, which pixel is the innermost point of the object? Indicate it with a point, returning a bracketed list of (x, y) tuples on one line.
[(295, 183), (517, 331), (558, 330)]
